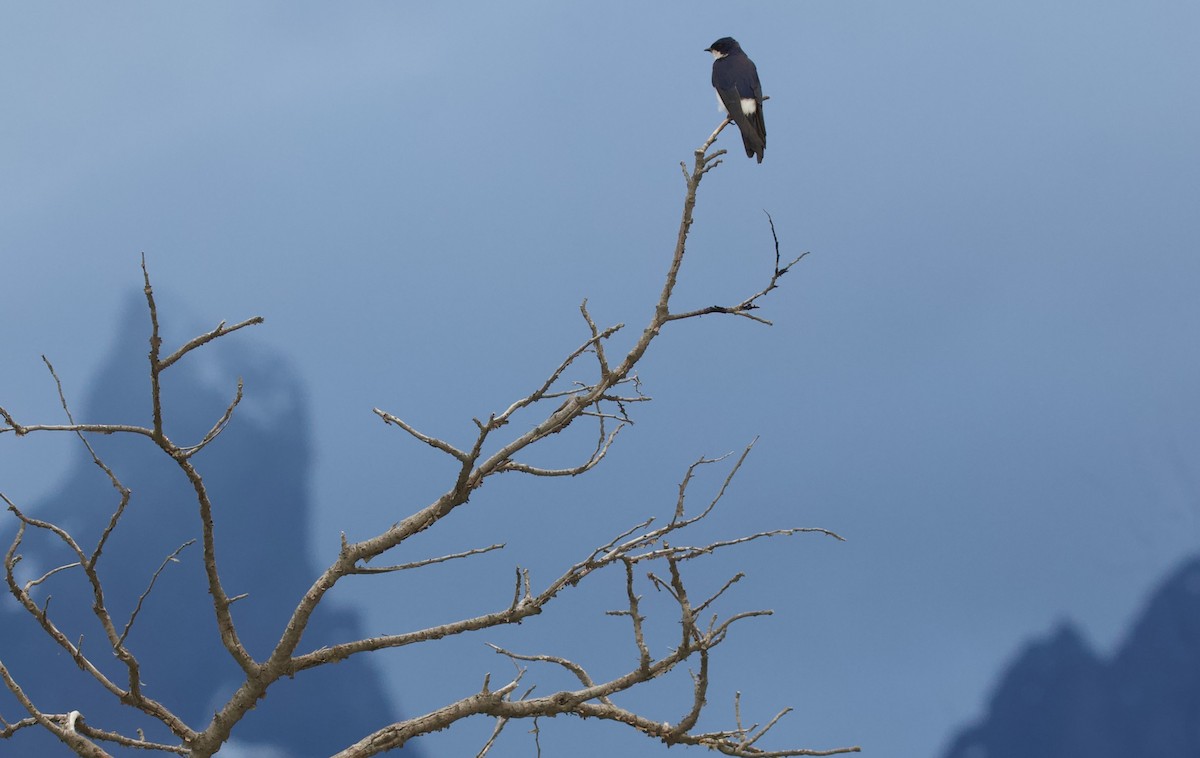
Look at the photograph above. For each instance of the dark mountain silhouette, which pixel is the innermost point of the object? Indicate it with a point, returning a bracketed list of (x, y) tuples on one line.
[(256, 474), (1059, 699)]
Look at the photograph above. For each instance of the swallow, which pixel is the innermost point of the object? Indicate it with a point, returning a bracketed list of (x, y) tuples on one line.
[(735, 78)]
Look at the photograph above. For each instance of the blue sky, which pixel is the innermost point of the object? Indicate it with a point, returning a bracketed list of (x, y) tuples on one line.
[(984, 375)]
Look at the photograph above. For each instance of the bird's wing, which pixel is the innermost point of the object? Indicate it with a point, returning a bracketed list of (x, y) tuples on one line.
[(730, 86)]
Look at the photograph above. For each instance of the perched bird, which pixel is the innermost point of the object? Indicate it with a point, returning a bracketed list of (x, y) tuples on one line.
[(735, 79)]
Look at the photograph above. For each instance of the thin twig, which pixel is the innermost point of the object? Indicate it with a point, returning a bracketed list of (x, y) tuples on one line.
[(427, 561), (218, 427), (445, 447), (172, 558)]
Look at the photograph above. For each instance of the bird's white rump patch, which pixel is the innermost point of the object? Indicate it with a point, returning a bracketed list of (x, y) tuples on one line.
[(749, 106)]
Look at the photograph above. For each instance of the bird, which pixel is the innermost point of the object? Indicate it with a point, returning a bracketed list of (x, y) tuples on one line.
[(735, 78)]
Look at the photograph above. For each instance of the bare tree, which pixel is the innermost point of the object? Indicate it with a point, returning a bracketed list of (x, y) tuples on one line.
[(644, 555)]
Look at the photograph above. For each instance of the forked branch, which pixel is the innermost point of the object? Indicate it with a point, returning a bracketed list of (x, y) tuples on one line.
[(592, 382), (637, 545)]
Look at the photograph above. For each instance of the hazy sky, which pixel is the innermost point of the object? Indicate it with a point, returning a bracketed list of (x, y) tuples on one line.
[(984, 376)]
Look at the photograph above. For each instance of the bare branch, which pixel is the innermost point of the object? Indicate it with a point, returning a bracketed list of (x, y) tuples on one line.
[(687, 480), (69, 737), (751, 303), (759, 735), (11, 729), (218, 427), (95, 428), (599, 396), (123, 491), (426, 562), (686, 553), (734, 580), (74, 722), (445, 447), (538, 394), (602, 445), (112, 477), (732, 310), (578, 702), (221, 601), (158, 366), (220, 331), (639, 637), (120, 739), (35, 582), (500, 724), (155, 347), (597, 342), (699, 696), (571, 666), (474, 470), (172, 558), (395, 735), (729, 477), (13, 426), (608, 546), (133, 695)]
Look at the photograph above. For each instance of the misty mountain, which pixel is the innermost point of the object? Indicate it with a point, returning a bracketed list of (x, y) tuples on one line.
[(256, 473), (1058, 698)]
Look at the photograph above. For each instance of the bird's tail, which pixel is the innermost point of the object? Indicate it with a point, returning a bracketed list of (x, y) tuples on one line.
[(755, 138)]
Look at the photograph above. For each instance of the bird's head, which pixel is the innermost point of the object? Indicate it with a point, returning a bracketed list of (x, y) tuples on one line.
[(723, 47)]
